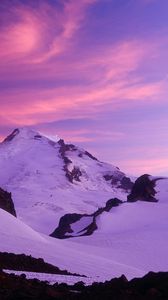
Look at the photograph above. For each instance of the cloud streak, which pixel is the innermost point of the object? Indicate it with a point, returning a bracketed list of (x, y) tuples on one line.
[(37, 35)]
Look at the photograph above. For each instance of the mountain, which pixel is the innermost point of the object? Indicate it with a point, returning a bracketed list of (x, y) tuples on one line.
[(49, 178), (54, 184)]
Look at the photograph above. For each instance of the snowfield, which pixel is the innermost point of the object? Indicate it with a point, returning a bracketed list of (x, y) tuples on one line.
[(66, 254), (131, 238), (52, 278)]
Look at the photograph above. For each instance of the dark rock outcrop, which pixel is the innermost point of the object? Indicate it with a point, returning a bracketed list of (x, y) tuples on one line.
[(90, 155), (65, 225), (6, 202), (63, 148), (22, 262), (64, 229), (143, 189), (126, 183), (112, 203), (11, 136), (37, 137), (121, 182), (75, 174)]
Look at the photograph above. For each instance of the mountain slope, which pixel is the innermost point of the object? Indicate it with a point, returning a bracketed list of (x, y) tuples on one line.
[(16, 237), (133, 234), (131, 239), (49, 178), (145, 189)]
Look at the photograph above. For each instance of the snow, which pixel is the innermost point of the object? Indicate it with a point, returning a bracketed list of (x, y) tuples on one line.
[(78, 227), (92, 170), (65, 254), (135, 234), (13, 227), (53, 278), (162, 190), (131, 239), (33, 171), (83, 223)]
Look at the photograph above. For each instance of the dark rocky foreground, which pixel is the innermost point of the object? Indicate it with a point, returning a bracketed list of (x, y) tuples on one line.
[(22, 262), (152, 286)]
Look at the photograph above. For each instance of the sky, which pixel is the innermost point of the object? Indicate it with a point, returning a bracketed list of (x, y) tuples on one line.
[(93, 72)]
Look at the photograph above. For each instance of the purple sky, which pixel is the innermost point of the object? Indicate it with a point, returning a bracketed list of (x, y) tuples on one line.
[(94, 72)]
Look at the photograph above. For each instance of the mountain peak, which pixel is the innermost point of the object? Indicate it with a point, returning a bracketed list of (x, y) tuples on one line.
[(28, 133), (23, 132)]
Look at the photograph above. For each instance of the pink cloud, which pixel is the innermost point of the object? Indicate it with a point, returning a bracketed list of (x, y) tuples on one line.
[(21, 38), (140, 166), (110, 75), (112, 88), (38, 35), (88, 135), (31, 107)]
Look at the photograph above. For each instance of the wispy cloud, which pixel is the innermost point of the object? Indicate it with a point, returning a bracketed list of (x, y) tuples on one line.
[(110, 82), (37, 35), (19, 38)]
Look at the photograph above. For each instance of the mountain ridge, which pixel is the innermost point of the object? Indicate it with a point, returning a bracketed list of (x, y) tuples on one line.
[(49, 178)]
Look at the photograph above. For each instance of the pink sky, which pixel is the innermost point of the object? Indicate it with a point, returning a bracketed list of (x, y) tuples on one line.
[(94, 72)]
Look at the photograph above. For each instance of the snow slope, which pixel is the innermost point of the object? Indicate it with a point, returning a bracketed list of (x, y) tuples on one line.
[(50, 178), (58, 252), (131, 239), (53, 278), (135, 234)]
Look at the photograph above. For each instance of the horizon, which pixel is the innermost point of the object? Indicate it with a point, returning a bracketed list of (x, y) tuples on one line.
[(93, 72)]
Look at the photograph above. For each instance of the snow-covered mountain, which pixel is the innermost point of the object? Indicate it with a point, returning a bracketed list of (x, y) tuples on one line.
[(49, 178)]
